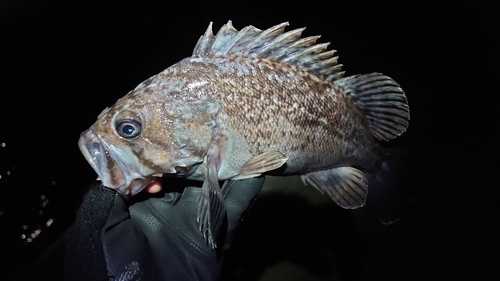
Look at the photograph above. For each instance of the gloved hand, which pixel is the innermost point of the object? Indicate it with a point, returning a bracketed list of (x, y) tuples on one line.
[(114, 238)]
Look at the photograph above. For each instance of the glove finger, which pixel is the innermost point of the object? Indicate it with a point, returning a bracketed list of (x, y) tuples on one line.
[(238, 195), (191, 194)]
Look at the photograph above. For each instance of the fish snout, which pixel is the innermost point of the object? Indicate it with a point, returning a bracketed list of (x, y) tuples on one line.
[(115, 164), (101, 159)]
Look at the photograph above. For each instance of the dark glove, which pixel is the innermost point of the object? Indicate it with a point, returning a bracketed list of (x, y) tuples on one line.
[(154, 239)]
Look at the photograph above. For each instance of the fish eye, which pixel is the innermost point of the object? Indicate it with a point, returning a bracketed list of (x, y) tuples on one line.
[(128, 128)]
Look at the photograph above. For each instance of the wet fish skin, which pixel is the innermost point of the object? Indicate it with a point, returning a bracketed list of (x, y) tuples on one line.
[(248, 102), (286, 119)]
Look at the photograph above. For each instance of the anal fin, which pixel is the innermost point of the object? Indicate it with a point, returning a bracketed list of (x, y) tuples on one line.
[(347, 186), (262, 163)]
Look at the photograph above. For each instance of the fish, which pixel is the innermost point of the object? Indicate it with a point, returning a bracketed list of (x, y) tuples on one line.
[(248, 103)]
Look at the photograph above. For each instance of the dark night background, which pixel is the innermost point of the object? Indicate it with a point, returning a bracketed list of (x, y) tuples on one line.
[(62, 62)]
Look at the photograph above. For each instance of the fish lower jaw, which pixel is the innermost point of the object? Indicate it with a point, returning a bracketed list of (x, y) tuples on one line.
[(136, 186)]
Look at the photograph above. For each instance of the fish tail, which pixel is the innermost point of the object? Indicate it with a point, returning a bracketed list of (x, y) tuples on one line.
[(381, 100), (390, 194)]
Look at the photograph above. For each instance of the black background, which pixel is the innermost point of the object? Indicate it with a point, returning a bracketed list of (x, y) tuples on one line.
[(62, 62)]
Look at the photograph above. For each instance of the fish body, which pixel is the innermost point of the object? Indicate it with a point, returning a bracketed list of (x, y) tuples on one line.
[(245, 103)]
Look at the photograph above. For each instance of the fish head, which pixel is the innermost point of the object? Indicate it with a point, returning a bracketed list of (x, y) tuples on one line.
[(147, 133)]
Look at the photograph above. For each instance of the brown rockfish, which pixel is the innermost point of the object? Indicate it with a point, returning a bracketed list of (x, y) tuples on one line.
[(245, 103)]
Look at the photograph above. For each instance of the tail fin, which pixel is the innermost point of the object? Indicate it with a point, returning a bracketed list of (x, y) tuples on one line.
[(390, 193)]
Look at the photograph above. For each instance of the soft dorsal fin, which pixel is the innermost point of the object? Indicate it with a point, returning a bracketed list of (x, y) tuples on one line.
[(381, 100), (274, 44)]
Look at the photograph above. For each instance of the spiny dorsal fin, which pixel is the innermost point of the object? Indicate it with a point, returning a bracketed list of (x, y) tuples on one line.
[(274, 44)]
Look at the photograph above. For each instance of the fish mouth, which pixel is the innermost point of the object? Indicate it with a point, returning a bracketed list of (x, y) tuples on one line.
[(117, 168)]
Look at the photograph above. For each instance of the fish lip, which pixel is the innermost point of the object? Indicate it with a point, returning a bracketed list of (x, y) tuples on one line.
[(114, 174), (87, 139)]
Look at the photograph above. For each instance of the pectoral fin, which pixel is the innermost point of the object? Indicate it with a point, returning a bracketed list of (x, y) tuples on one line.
[(347, 186), (262, 163), (211, 210)]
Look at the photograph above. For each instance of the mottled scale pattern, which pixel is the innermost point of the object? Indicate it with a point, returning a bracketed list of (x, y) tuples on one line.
[(271, 105), (248, 102), (243, 93)]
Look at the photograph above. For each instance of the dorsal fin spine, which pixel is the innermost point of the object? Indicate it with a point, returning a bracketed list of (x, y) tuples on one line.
[(234, 45), (273, 44), (337, 75), (286, 53), (281, 41), (248, 35), (304, 55), (267, 36), (225, 34), (204, 43), (311, 50), (333, 61), (328, 55)]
